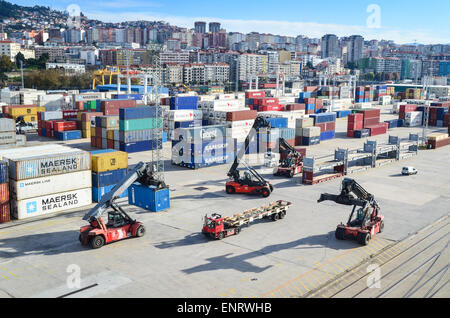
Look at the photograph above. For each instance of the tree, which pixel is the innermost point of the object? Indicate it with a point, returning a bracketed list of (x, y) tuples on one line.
[(5, 64), (309, 65), (20, 58)]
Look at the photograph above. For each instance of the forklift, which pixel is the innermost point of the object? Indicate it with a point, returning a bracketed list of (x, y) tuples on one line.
[(291, 162), (120, 225), (251, 182), (363, 224)]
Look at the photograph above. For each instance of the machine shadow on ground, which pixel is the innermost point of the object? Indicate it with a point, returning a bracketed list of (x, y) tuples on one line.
[(241, 262)]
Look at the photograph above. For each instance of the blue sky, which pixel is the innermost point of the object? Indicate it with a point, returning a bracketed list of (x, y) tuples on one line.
[(400, 20)]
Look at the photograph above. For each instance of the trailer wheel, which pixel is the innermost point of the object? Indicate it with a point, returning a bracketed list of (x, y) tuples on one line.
[(271, 187), (140, 231), (291, 174), (265, 193), (381, 226), (363, 238), (80, 239), (340, 233), (96, 242), (282, 215), (220, 236), (230, 190), (237, 231), (276, 217)]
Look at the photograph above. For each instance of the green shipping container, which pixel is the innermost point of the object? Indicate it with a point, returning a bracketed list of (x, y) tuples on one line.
[(92, 105), (140, 124)]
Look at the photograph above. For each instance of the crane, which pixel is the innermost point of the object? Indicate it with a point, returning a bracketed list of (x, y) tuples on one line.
[(367, 222), (252, 182), (120, 225)]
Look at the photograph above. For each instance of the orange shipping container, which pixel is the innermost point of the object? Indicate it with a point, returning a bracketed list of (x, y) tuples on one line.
[(4, 193)]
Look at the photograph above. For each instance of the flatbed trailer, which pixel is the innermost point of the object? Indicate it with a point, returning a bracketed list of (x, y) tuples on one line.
[(218, 227)]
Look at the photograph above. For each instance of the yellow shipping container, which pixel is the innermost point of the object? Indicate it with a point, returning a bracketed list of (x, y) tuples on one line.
[(22, 111), (79, 115), (109, 161), (28, 118), (110, 134), (86, 133), (85, 125), (92, 131)]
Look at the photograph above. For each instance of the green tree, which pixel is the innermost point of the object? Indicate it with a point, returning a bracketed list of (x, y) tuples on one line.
[(5, 64), (20, 58), (309, 65)]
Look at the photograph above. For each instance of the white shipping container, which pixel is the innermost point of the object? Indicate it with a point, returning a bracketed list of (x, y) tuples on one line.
[(8, 137), (29, 167), (241, 123), (311, 132), (304, 122), (53, 203), (51, 115), (7, 124), (185, 115), (21, 190)]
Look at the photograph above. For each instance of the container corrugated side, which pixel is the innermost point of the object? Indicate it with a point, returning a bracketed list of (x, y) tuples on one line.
[(109, 161), (8, 137), (5, 213), (50, 164), (25, 189), (4, 193), (53, 203), (7, 124)]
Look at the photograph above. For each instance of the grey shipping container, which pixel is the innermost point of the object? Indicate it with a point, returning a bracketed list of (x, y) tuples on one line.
[(48, 165), (7, 124), (8, 137)]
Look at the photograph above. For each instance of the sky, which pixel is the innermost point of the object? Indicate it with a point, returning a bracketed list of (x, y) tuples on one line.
[(403, 21)]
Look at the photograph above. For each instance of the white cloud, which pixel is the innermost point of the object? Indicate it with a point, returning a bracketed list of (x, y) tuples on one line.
[(309, 29)]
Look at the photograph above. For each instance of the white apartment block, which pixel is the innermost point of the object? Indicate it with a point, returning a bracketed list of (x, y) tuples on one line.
[(67, 67), (251, 65), (179, 57), (217, 73), (174, 73), (9, 48), (194, 73)]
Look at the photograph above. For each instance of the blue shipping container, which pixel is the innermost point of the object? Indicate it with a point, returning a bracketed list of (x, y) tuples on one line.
[(310, 106), (137, 113), (343, 113), (128, 96), (107, 178), (68, 135), (4, 177), (277, 122), (149, 198), (44, 132), (323, 118), (361, 133), (139, 146), (96, 152), (185, 102), (137, 135), (309, 141), (98, 193), (327, 135)]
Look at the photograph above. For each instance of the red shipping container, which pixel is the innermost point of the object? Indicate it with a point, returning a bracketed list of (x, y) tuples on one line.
[(355, 125), (310, 89), (310, 111), (355, 118), (309, 101), (291, 107), (4, 193), (351, 133), (5, 215), (440, 143), (319, 103), (408, 108), (308, 176), (242, 115), (331, 126), (86, 117), (93, 145), (98, 142), (271, 108), (98, 132), (370, 113), (298, 140), (268, 101), (79, 105), (401, 115), (323, 126), (371, 122), (111, 107), (39, 131), (110, 144), (376, 130), (50, 124), (65, 125), (255, 94)]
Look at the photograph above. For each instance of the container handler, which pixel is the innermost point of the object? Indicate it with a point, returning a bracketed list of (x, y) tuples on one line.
[(218, 227), (291, 162), (252, 182), (367, 222), (120, 225)]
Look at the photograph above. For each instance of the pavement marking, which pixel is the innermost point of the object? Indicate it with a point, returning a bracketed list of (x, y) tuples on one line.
[(298, 289), (232, 291), (10, 273), (306, 288)]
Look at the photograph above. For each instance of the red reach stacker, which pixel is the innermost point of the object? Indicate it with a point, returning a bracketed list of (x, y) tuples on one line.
[(291, 162), (367, 221), (120, 225), (252, 182), (219, 227)]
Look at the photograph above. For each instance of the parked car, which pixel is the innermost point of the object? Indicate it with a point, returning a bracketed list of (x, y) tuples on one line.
[(407, 171)]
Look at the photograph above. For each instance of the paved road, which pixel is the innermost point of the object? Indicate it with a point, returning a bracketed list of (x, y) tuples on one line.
[(414, 268)]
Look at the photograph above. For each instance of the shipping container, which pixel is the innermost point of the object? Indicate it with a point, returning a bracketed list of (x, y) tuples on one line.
[(8, 137), (137, 113), (7, 124), (98, 193), (109, 161), (140, 124), (149, 198), (5, 215), (4, 193), (107, 178), (38, 187), (52, 203), (139, 146)]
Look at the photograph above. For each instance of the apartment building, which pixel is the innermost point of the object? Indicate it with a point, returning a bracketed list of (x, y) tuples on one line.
[(179, 57), (250, 65), (9, 48)]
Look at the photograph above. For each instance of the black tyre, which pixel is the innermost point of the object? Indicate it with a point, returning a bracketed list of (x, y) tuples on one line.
[(237, 231), (340, 233), (271, 187), (80, 239), (140, 231), (381, 226), (230, 190), (291, 174), (220, 236), (265, 193), (363, 238), (97, 242), (276, 217), (282, 215)]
